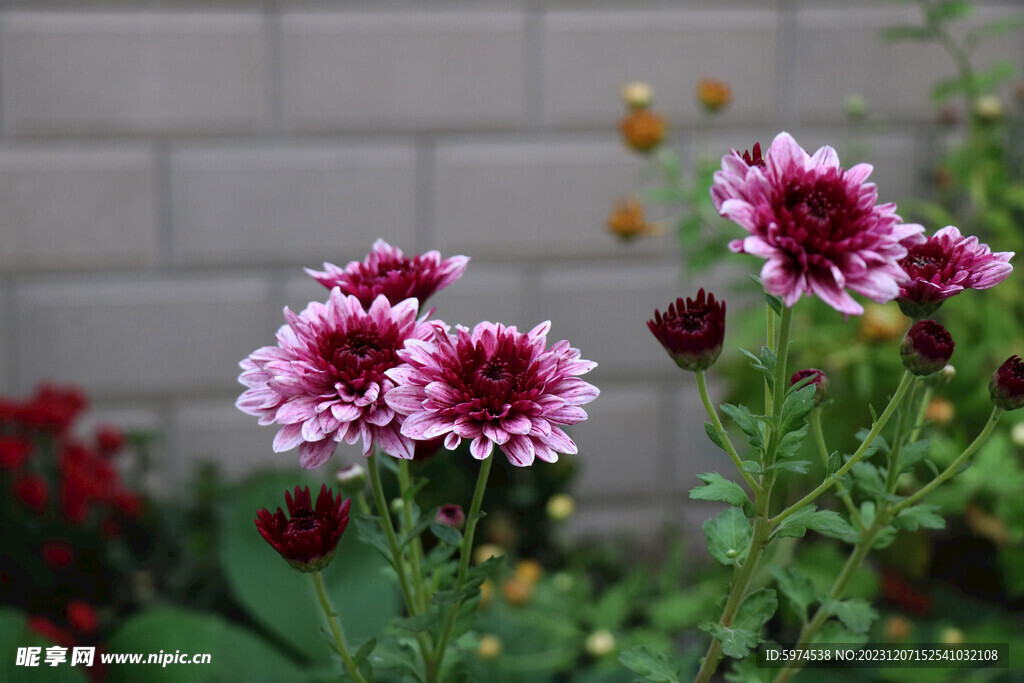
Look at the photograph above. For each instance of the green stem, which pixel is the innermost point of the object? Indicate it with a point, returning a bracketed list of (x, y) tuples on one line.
[(396, 554), (736, 594), (465, 553), (819, 439), (389, 532), (954, 466), (332, 620), (853, 563), (781, 361), (416, 546), (770, 336), (926, 399), (362, 504), (893, 473), (702, 387), (831, 481)]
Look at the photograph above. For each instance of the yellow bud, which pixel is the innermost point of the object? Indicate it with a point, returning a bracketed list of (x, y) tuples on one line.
[(600, 643), (988, 108), (490, 647), (560, 507), (940, 411), (713, 94), (951, 636), (637, 95), (642, 130), (529, 571), (486, 592), (897, 628)]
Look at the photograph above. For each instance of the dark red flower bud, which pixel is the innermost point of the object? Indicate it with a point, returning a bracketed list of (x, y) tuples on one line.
[(57, 554), (308, 539), (819, 381), (927, 348), (692, 332), (32, 492), (14, 451), (451, 515), (109, 439), (1007, 385), (82, 616)]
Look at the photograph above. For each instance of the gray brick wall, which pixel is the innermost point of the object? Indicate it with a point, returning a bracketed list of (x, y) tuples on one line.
[(166, 171)]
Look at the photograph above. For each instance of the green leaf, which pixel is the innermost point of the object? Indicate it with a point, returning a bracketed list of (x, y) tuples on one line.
[(365, 651), (797, 406), (856, 614), (919, 517), (369, 532), (656, 667), (790, 444), (825, 522), (420, 622), (236, 654), (756, 609), (774, 302), (796, 587), (280, 599), (421, 524), (736, 642), (751, 466), (951, 9), (913, 453), (718, 488), (834, 633), (728, 536), (751, 425), (712, 433), (448, 534), (797, 466)]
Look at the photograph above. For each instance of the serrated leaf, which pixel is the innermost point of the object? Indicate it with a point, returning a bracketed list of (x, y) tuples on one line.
[(736, 642), (796, 466), (718, 488), (728, 536), (751, 466), (449, 535), (712, 433), (878, 444), (856, 614), (825, 522), (421, 525), (913, 453), (790, 444), (748, 422), (797, 406), (420, 622), (796, 587), (869, 479), (364, 651), (919, 517), (656, 667), (756, 609)]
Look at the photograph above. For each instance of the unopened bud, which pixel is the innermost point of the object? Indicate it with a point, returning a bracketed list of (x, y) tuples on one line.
[(927, 348), (600, 643), (855, 106), (451, 515), (988, 108), (637, 95), (490, 647), (560, 507), (352, 478)]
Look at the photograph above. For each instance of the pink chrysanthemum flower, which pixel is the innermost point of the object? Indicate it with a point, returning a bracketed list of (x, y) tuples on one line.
[(325, 381), (946, 264), (387, 271), (817, 223), (494, 386)]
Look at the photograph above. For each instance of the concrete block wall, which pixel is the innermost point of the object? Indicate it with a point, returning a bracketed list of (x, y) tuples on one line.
[(166, 170)]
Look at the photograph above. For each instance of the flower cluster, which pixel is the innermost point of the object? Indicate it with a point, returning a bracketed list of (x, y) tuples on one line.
[(362, 366), (68, 507), (818, 225)]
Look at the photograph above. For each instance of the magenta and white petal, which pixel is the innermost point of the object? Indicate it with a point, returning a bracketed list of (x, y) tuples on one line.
[(314, 454)]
